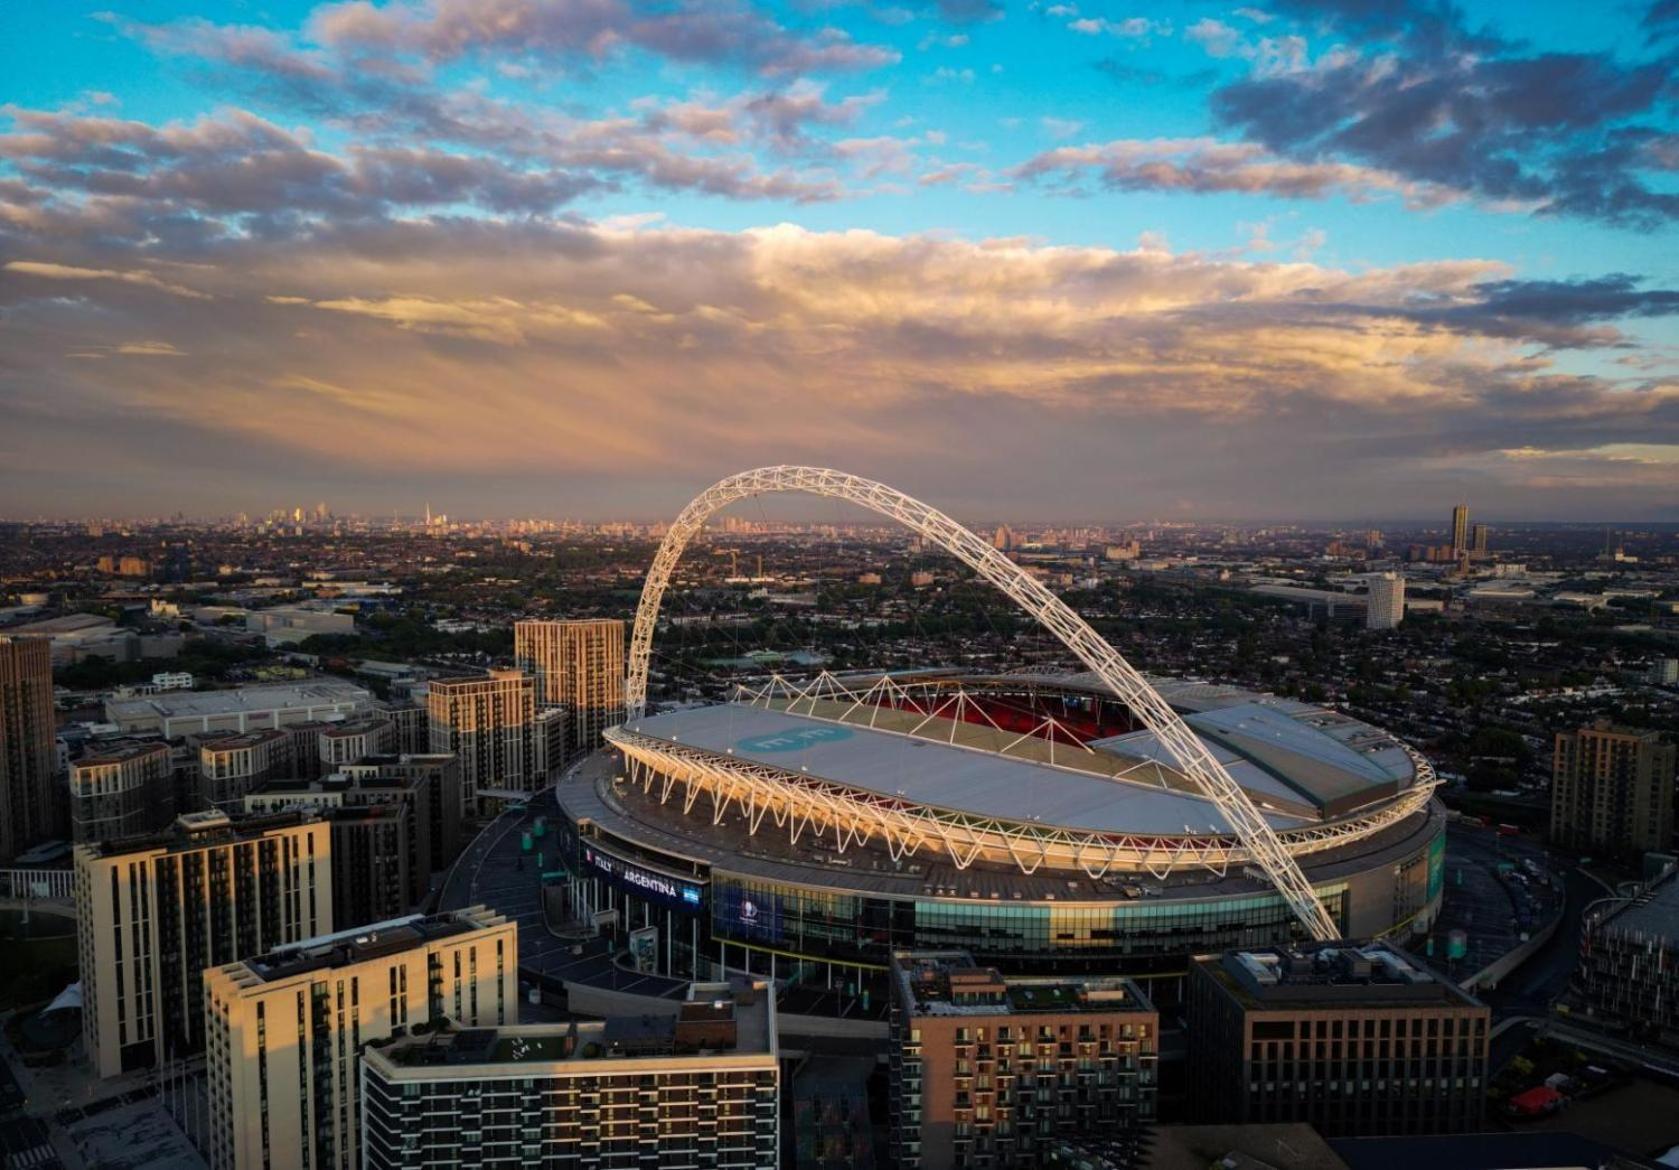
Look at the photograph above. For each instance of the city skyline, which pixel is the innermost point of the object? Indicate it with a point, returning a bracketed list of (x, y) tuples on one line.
[(1292, 260), (785, 515)]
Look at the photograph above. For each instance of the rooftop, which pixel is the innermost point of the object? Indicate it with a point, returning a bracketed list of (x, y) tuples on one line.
[(352, 727), (241, 741), (1331, 973), (1300, 763), (70, 623), (1652, 913), (121, 754), (362, 943), (315, 692), (949, 983), (198, 830), (717, 1019), (940, 775), (1478, 1151)]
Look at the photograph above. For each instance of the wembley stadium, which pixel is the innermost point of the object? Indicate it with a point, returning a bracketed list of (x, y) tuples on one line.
[(1100, 820)]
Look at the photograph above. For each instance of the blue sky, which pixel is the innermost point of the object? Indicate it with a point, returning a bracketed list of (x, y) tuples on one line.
[(1253, 250)]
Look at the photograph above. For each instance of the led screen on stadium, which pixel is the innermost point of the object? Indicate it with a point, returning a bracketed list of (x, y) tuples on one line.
[(650, 884), (747, 915)]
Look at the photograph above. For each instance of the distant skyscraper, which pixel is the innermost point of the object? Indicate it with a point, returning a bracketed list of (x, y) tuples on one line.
[(288, 1028), (578, 665), (1479, 539), (32, 802), (1612, 789), (1003, 538), (153, 912), (491, 725), (1386, 608), (1460, 529)]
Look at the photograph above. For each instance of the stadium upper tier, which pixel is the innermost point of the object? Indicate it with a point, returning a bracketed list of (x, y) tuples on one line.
[(1041, 770)]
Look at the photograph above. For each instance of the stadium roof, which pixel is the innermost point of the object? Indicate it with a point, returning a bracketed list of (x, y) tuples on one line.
[(1302, 764), (941, 775)]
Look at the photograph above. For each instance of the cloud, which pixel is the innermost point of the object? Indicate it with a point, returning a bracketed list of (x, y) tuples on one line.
[(1555, 312), (386, 100), (1131, 28), (780, 117), (1660, 21), (454, 344), (50, 271), (237, 164), (1436, 102), (1214, 36), (1201, 165), (722, 33)]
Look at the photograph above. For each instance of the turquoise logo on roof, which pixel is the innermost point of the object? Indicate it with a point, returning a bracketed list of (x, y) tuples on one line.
[(792, 740)]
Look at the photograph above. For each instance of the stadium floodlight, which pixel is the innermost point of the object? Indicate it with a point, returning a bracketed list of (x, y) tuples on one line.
[(1182, 745)]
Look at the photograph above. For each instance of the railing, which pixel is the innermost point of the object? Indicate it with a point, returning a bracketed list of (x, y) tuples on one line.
[(38, 885)]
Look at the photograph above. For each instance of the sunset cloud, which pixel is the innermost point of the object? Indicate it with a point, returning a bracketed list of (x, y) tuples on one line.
[(465, 344), (1381, 254)]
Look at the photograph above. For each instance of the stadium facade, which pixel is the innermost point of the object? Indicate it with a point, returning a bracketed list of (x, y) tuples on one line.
[(807, 833)]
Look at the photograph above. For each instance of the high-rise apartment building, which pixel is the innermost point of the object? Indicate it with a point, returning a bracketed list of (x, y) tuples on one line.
[(32, 803), (578, 665), (1460, 529), (153, 913), (125, 790), (381, 838), (1612, 789), (698, 1089), (413, 735), (1357, 1040), (347, 742), (288, 1029), (1480, 540), (1386, 608), (439, 775), (988, 1071), (233, 765), (490, 723)]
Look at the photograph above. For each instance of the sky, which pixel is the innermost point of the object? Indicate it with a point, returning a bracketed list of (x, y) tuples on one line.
[(1293, 259)]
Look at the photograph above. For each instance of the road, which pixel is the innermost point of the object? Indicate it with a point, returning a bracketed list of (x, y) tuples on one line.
[(1528, 992), (495, 871)]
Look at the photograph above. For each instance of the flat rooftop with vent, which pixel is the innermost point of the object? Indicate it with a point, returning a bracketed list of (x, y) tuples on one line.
[(716, 1020), (356, 945), (950, 983), (1329, 974)]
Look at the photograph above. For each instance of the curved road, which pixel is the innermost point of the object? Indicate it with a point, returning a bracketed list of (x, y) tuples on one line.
[(495, 870)]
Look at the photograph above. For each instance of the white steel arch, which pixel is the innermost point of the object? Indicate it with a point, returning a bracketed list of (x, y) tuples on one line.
[(1184, 747)]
